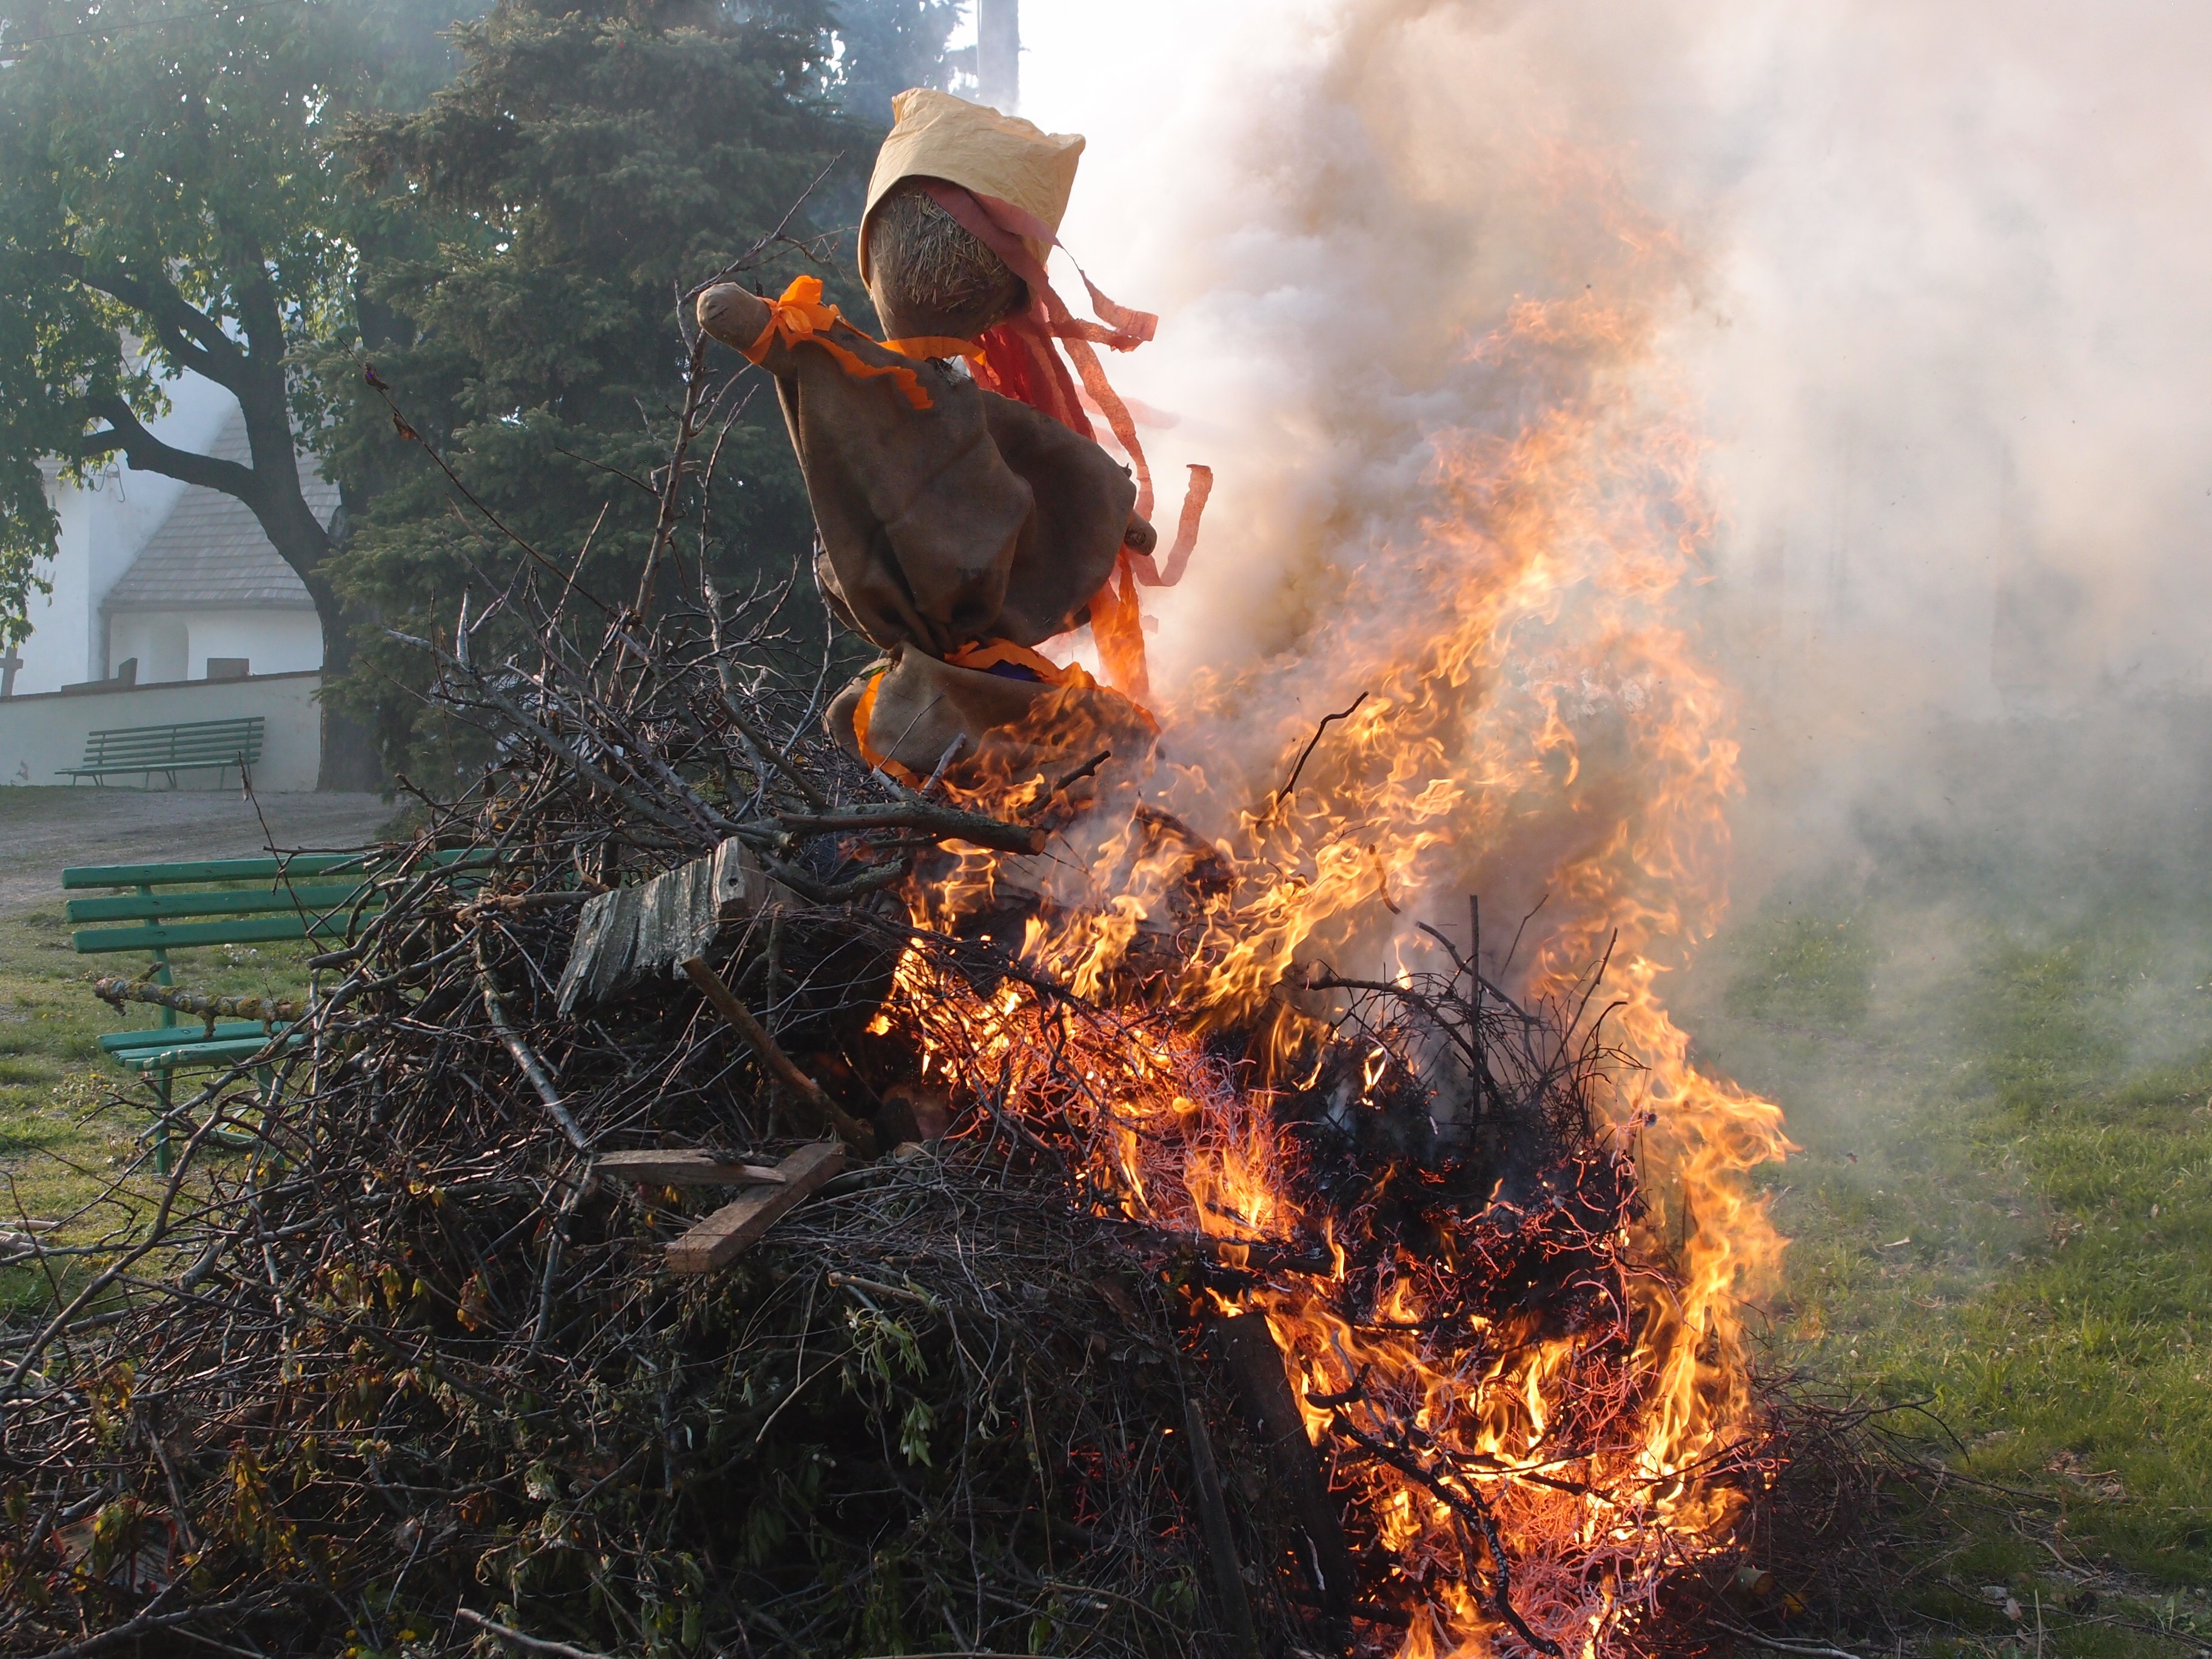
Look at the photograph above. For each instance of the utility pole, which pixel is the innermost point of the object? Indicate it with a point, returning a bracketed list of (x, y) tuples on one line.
[(999, 54)]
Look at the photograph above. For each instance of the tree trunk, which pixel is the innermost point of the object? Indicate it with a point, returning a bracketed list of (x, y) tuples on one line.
[(350, 759)]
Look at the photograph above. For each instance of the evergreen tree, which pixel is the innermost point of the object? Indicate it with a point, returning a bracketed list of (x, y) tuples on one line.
[(887, 47), (590, 161)]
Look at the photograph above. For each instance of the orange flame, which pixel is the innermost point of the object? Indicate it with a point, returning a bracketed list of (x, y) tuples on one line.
[(1531, 718)]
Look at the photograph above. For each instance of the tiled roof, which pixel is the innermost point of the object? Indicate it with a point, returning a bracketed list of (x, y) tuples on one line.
[(210, 552)]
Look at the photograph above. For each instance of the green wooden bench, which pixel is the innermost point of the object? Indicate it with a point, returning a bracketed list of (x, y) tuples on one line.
[(311, 895), (191, 745)]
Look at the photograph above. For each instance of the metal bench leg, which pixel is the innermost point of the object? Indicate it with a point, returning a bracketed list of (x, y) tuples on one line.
[(163, 1156)]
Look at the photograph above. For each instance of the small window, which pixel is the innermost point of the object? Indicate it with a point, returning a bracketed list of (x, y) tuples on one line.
[(227, 668)]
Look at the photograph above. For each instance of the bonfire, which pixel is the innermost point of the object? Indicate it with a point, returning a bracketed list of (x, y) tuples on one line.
[(1164, 1224)]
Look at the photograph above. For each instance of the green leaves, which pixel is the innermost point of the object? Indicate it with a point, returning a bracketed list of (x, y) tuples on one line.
[(913, 1433), (171, 199)]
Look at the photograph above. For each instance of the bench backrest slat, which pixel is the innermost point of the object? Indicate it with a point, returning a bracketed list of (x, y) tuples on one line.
[(233, 741), (164, 737), (238, 723), (158, 906), (266, 869), (251, 915), (156, 757), (182, 935), (158, 742)]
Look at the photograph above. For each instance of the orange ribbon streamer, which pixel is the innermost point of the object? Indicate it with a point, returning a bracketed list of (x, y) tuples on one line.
[(984, 655), (800, 318), (864, 711)]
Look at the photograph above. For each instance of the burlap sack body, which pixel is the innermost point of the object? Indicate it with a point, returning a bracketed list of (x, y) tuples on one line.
[(1014, 729), (976, 518)]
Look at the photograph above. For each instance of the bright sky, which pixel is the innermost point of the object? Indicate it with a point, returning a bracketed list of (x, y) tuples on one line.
[(1121, 75)]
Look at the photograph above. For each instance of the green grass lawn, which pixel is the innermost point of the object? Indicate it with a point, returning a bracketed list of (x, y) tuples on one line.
[(1996, 1050), (71, 1124)]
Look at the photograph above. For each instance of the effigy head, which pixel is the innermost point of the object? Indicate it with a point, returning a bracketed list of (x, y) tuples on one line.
[(929, 274), (950, 170)]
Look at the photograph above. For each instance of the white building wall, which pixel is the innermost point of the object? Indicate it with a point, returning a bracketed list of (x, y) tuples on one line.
[(65, 638), (160, 643), (176, 644), (39, 735), (103, 527), (272, 642)]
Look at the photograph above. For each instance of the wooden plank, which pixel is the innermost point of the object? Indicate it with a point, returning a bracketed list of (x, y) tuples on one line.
[(584, 949), (619, 942), (663, 919), (168, 754), (177, 1055), (143, 740), (229, 722), (654, 926), (724, 1236), (742, 887), (139, 750), (192, 733), (685, 1166), (200, 731), (176, 875), (183, 935), (303, 864), (190, 1032), (136, 907), (696, 920), (161, 760), (130, 737), (1246, 1349)]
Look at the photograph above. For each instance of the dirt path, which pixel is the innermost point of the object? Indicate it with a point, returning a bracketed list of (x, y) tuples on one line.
[(42, 829)]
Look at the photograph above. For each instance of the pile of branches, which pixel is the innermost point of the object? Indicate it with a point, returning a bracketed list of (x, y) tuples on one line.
[(386, 1364), (387, 1368), (402, 1371)]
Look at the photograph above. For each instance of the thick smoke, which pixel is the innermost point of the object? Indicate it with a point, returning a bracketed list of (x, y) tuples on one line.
[(1437, 318), (1927, 282), (1419, 321)]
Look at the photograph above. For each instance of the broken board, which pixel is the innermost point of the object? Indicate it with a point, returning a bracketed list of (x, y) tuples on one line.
[(631, 932), (724, 1236), (683, 1166)]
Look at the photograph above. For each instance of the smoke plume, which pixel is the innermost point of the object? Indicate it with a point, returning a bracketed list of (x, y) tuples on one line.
[(1921, 285)]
